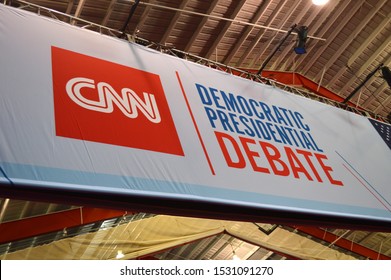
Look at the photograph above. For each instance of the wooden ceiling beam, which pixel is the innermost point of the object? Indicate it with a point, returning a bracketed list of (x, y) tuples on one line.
[(366, 65), (367, 41), (200, 26), (270, 46), (260, 34), (110, 9), (338, 13), (384, 103), (224, 30), (78, 11), (358, 29), (70, 6), (173, 22), (246, 33)]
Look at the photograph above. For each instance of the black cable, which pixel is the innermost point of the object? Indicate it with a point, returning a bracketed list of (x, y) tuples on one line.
[(367, 78), (131, 13), (366, 87)]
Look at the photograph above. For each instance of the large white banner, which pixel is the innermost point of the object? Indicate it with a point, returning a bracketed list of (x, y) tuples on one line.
[(84, 111)]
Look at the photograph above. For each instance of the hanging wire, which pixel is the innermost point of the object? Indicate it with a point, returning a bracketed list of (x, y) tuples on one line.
[(332, 243), (321, 79), (379, 252), (359, 97), (131, 13), (294, 69), (241, 72)]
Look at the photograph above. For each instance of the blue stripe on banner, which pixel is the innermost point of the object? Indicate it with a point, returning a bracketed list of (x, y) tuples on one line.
[(98, 182)]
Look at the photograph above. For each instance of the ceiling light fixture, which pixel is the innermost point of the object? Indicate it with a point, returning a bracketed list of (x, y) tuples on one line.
[(320, 2), (235, 257), (119, 255)]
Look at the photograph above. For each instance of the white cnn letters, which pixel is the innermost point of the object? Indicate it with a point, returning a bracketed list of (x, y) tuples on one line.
[(128, 102)]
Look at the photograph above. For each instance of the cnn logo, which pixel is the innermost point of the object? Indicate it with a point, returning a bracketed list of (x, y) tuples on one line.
[(128, 101), (100, 101)]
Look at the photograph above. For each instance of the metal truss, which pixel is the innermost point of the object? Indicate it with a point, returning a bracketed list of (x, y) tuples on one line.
[(40, 10)]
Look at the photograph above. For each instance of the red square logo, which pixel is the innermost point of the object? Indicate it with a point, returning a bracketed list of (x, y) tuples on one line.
[(101, 101)]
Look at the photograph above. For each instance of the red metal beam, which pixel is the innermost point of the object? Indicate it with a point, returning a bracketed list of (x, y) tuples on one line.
[(29, 227), (286, 78), (343, 243), (295, 80)]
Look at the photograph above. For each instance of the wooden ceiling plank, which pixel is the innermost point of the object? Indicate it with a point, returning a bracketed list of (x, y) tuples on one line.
[(80, 8), (143, 19), (281, 23), (225, 28), (365, 44), (374, 95), (173, 22), (260, 34), (70, 6), (384, 103), (349, 40), (78, 11), (365, 66), (205, 250), (110, 9), (337, 13), (248, 29), (201, 26)]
